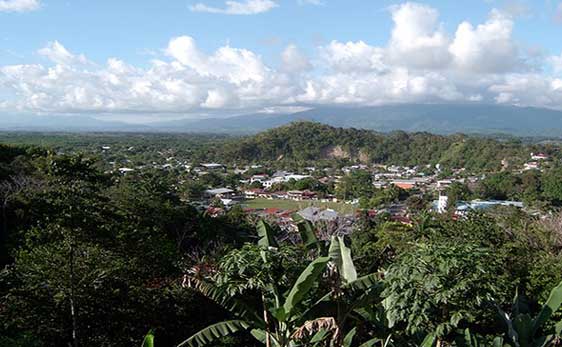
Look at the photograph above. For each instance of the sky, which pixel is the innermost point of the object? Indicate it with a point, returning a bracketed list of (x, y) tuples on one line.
[(146, 60)]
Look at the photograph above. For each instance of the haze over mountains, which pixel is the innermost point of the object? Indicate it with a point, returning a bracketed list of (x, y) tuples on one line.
[(435, 118)]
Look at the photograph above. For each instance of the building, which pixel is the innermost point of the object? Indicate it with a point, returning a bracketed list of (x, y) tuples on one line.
[(213, 167), (315, 214), (404, 184), (221, 193), (259, 178), (299, 195), (533, 165), (464, 207), (442, 203), (125, 170), (539, 156)]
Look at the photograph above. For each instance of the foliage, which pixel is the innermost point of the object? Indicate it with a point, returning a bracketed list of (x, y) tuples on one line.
[(439, 287)]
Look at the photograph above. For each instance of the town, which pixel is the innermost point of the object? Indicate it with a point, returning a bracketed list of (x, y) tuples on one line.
[(326, 193)]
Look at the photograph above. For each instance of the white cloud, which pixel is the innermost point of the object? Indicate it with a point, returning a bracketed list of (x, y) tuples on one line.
[(556, 62), (191, 82), (352, 57), (232, 64), (247, 7), (420, 63), (418, 39), (488, 47), (19, 5), (294, 60), (57, 53)]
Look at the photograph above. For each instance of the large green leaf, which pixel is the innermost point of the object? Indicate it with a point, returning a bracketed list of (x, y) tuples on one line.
[(429, 340), (374, 341), (266, 235), (348, 339), (365, 282), (302, 285), (214, 332), (148, 339), (511, 333), (340, 254), (233, 305), (552, 304), (319, 336), (497, 342), (306, 231)]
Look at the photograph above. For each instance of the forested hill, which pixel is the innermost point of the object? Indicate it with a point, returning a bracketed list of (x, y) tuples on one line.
[(308, 141)]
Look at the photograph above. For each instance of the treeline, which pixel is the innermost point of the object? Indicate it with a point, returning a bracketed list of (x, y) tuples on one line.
[(307, 141), (297, 145)]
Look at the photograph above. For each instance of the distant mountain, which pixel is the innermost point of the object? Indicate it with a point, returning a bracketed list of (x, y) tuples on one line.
[(439, 119), (75, 123)]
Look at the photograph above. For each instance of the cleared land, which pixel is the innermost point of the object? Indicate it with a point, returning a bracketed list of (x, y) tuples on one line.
[(299, 205)]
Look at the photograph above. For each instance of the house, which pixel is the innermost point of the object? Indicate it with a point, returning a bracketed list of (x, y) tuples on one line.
[(253, 193), (125, 170), (299, 195), (444, 184), (282, 177), (463, 207), (404, 184), (221, 193), (539, 156), (259, 178), (533, 165), (213, 167)]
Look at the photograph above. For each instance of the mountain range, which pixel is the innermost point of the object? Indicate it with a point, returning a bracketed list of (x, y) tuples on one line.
[(435, 118)]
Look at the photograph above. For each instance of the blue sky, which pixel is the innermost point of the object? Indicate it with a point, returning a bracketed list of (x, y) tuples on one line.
[(124, 59)]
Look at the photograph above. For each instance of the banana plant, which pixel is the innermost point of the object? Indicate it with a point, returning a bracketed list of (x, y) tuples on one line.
[(148, 340), (282, 322), (523, 330), (467, 339)]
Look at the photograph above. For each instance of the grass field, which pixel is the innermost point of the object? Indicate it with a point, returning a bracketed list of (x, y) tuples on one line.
[(299, 205)]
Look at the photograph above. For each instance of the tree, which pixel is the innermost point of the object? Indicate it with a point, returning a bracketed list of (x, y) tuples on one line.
[(552, 186), (437, 287), (193, 190), (457, 192), (357, 184)]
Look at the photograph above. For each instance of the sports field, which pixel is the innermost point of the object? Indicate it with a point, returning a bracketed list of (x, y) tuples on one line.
[(299, 205)]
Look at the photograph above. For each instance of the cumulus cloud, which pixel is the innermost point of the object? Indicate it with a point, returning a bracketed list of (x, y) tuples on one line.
[(417, 38), (353, 57), (421, 62), (19, 5), (191, 81), (58, 54), (294, 60), (556, 62), (247, 7), (488, 47)]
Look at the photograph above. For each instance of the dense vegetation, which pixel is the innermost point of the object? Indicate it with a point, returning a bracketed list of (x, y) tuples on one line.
[(299, 144), (305, 142), (94, 258)]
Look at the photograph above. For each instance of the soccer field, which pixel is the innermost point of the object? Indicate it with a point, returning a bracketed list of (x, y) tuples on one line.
[(299, 205)]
